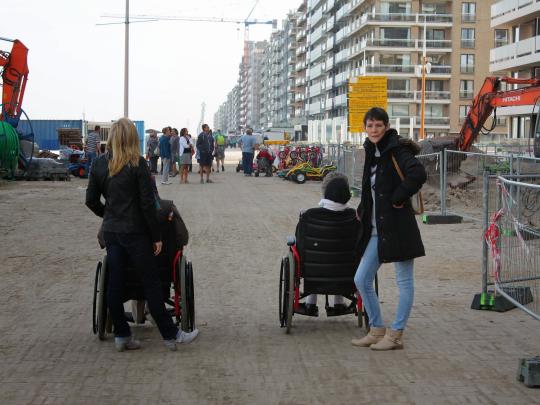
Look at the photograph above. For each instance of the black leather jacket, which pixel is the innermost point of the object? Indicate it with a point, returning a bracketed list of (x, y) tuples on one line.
[(130, 204)]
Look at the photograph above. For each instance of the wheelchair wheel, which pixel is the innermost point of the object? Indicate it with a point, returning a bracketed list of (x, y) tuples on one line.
[(101, 307), (94, 301), (190, 293), (283, 296), (289, 274)]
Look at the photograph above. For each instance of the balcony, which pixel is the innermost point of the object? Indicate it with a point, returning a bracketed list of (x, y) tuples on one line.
[(513, 11), (434, 97), (340, 100), (316, 53), (341, 78), (301, 50), (316, 17), (316, 35), (329, 104), (468, 18), (401, 19), (342, 34), (315, 90), (330, 23), (315, 71), (406, 44), (342, 56), (300, 34), (329, 83), (329, 64), (433, 122), (467, 43), (520, 54), (330, 42), (343, 11), (355, 4), (314, 108)]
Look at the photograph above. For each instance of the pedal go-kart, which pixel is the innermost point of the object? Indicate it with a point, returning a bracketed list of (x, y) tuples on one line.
[(305, 171)]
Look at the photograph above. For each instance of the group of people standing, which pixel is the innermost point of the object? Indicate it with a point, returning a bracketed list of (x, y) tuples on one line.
[(176, 148)]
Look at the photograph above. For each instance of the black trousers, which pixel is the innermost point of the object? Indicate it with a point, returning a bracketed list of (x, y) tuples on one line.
[(124, 249)]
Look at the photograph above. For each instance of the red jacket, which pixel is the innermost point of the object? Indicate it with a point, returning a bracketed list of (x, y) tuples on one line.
[(265, 154)]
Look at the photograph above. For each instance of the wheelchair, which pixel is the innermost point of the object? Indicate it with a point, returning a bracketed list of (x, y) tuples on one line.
[(303, 270), (176, 274)]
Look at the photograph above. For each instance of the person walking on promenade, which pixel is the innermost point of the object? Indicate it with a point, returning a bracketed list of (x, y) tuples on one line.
[(92, 147), (131, 232), (205, 146), (186, 151), (174, 151), (219, 150), (390, 233), (248, 142), (192, 152), (165, 153), (151, 155)]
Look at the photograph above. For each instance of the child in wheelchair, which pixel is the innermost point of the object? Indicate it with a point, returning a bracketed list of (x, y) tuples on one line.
[(332, 210)]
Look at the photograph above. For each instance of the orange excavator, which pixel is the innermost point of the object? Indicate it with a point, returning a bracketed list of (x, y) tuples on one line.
[(14, 71), (486, 102), (17, 159)]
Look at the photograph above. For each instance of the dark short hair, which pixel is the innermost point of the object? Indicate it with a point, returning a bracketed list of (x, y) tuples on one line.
[(377, 114), (205, 125)]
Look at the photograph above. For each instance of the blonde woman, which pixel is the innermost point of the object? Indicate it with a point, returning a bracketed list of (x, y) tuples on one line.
[(131, 231)]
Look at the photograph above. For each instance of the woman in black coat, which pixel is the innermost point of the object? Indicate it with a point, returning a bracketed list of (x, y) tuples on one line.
[(390, 232), (131, 232)]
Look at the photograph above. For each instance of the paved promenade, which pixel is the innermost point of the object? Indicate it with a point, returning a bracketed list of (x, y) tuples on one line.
[(238, 226)]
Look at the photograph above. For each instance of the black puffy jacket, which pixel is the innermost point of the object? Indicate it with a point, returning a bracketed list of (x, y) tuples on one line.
[(130, 204), (398, 234)]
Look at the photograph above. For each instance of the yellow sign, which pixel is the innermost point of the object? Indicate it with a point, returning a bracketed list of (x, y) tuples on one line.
[(364, 93)]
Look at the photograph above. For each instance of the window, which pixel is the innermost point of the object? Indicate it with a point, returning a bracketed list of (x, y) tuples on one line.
[(434, 110), (434, 8), (398, 110), (467, 37), (399, 88), (395, 36), (395, 59), (463, 111), (466, 88), (393, 7), (435, 35), (468, 12), (501, 37), (467, 63), (434, 85)]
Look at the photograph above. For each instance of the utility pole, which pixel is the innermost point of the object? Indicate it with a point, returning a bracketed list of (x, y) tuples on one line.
[(126, 63)]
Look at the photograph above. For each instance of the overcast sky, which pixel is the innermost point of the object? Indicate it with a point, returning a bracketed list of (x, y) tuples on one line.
[(77, 67)]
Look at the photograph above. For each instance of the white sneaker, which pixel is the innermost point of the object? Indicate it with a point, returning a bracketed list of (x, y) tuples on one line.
[(126, 343), (187, 337), (166, 183)]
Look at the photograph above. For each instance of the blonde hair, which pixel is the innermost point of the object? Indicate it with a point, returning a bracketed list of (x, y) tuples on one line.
[(123, 142)]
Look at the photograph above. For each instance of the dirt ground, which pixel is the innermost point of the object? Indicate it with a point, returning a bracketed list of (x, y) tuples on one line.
[(238, 225)]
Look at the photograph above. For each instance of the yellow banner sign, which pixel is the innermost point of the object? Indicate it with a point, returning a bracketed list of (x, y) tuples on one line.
[(365, 92)]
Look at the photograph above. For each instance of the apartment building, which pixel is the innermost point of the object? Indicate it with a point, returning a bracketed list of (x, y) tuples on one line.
[(227, 117), (350, 38), (298, 71), (516, 26)]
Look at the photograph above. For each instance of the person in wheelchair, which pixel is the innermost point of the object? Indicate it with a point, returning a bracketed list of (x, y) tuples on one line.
[(331, 213), (131, 232), (265, 160)]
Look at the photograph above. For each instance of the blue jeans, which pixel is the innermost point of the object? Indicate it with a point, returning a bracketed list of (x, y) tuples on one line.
[(90, 157), (124, 249), (166, 166), (247, 162), (365, 276)]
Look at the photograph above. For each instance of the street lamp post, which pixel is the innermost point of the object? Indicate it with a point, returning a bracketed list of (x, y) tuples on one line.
[(126, 63)]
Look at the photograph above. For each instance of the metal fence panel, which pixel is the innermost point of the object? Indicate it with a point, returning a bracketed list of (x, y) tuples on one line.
[(517, 277), (431, 190)]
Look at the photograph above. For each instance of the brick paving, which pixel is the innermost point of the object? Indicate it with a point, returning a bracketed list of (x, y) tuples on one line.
[(238, 225)]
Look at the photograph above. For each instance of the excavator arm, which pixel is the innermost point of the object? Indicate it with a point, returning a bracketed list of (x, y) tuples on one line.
[(14, 72), (489, 98)]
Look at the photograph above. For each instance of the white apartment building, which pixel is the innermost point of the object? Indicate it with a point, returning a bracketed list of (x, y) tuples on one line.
[(516, 53), (350, 38)]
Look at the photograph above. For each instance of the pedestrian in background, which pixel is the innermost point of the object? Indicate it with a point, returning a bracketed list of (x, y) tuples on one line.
[(92, 147), (131, 232), (248, 143), (174, 151), (165, 153), (151, 151), (192, 152), (186, 152), (390, 232), (205, 147), (219, 150)]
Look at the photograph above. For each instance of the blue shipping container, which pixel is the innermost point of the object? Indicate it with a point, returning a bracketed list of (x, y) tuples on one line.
[(46, 131)]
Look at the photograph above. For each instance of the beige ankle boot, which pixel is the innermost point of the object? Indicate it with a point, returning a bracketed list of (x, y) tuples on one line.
[(391, 341), (374, 336)]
